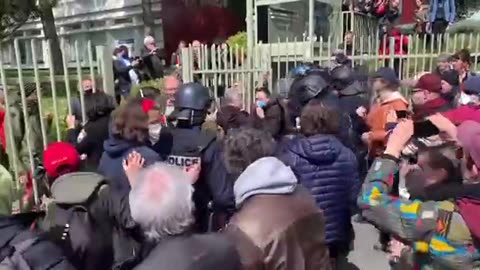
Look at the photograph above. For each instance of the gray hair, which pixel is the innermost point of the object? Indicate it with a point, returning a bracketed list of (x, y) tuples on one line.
[(233, 96), (148, 40), (161, 201)]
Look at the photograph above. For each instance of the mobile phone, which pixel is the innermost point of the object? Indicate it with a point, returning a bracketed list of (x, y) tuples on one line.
[(401, 114), (424, 129)]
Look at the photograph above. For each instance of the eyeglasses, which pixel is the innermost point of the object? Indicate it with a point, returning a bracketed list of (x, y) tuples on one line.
[(416, 90)]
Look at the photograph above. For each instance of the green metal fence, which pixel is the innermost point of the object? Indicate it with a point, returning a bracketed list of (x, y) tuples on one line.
[(218, 66), (54, 94)]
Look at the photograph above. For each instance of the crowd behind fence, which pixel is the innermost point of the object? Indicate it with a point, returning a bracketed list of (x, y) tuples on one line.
[(217, 66), (220, 67), (46, 82)]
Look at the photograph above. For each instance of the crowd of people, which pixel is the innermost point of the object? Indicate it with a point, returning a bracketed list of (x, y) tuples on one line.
[(173, 181), (431, 16)]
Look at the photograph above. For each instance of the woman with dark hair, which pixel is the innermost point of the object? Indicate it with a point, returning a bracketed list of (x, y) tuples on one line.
[(89, 140), (328, 170), (129, 132), (462, 63)]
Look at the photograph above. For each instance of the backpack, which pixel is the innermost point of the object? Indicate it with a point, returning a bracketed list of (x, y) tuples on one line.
[(69, 222), (25, 250), (13, 257)]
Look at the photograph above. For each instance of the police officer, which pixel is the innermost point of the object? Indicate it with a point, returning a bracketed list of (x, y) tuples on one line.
[(306, 86), (315, 84), (186, 144)]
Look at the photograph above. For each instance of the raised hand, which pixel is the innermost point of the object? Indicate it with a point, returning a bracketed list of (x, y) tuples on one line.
[(132, 165)]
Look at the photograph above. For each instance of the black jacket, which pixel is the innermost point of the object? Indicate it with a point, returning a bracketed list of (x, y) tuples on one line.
[(215, 184), (154, 64), (188, 252), (42, 255), (111, 211), (92, 144), (122, 76)]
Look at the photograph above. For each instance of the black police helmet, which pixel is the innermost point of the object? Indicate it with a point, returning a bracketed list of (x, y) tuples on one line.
[(191, 98), (307, 88), (342, 76)]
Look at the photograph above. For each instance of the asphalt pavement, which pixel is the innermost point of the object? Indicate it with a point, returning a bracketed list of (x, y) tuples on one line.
[(364, 257)]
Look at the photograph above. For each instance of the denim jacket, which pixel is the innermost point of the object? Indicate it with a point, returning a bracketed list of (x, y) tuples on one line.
[(448, 9)]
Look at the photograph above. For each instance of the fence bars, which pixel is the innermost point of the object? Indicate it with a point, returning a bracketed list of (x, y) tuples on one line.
[(12, 155), (25, 122), (39, 94), (66, 77), (219, 66), (24, 146), (54, 90), (79, 77)]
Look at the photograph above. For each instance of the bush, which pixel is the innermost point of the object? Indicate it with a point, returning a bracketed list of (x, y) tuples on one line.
[(239, 39), (153, 84)]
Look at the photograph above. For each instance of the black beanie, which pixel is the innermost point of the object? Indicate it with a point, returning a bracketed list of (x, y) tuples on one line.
[(451, 77)]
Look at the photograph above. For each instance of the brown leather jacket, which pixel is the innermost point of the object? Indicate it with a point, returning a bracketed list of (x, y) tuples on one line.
[(280, 232)]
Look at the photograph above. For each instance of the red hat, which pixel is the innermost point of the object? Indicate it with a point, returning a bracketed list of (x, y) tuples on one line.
[(430, 82), (60, 158), (148, 104)]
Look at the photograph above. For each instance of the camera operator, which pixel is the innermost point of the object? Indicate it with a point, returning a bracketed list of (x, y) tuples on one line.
[(153, 58)]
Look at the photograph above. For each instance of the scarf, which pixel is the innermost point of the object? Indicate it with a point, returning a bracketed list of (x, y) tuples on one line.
[(429, 108)]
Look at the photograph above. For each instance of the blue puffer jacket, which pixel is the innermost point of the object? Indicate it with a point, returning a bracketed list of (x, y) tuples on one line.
[(329, 170)]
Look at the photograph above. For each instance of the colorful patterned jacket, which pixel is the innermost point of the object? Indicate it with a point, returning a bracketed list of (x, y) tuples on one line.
[(434, 229)]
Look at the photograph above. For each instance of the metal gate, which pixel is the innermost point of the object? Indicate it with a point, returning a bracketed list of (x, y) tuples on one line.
[(219, 67), (54, 94)]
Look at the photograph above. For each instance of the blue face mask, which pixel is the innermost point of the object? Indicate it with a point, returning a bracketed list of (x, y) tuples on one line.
[(261, 104)]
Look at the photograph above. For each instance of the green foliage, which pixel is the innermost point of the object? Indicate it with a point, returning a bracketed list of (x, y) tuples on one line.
[(466, 8), (155, 84), (239, 39), (15, 13)]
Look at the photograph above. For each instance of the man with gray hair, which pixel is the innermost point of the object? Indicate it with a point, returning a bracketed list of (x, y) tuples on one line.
[(231, 114), (161, 204), (153, 58)]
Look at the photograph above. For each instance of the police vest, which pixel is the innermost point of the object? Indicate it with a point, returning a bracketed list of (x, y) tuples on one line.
[(186, 147)]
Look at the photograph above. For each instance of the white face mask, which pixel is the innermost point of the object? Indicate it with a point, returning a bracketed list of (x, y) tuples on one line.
[(467, 99), (154, 132), (81, 136)]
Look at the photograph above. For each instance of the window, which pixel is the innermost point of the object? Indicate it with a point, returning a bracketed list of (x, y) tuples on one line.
[(123, 20)]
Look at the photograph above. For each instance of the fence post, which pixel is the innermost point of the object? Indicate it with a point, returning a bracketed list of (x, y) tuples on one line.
[(186, 64), (391, 45), (107, 71), (249, 21)]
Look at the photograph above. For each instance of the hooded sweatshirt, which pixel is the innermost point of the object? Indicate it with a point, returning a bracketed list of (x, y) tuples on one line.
[(116, 150), (265, 176)]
